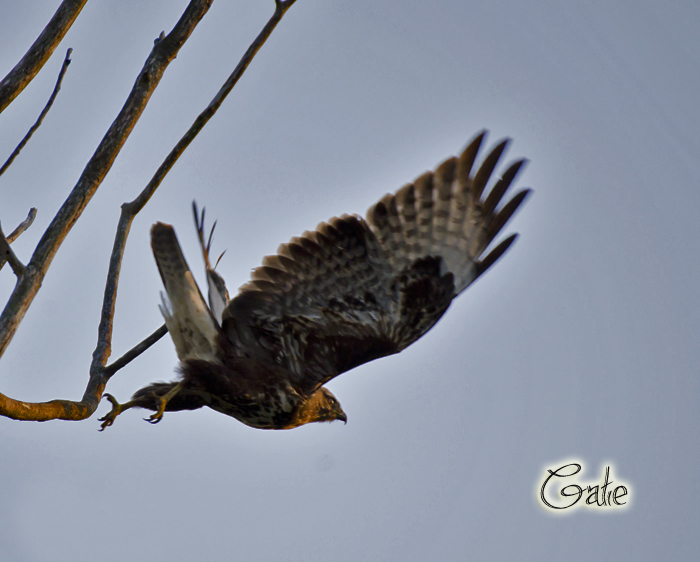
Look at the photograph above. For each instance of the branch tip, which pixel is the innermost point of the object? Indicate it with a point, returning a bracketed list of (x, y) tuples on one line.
[(24, 225), (33, 128)]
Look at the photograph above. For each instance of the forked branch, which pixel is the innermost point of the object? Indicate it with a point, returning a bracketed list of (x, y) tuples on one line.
[(7, 254), (24, 225), (130, 210), (99, 374), (162, 54)]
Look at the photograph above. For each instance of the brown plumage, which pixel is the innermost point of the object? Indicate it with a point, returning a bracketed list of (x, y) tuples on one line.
[(349, 292)]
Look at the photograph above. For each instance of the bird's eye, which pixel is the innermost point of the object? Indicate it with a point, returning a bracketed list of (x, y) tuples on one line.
[(332, 401)]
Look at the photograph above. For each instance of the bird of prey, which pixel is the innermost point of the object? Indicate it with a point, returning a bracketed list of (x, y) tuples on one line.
[(349, 292)]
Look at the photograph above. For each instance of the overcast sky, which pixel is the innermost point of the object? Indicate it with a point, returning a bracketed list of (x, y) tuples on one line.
[(580, 344)]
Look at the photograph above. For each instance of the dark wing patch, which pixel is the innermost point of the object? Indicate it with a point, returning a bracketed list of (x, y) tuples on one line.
[(355, 290)]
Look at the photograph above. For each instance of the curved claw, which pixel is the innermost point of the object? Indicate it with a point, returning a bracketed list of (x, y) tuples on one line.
[(155, 418)]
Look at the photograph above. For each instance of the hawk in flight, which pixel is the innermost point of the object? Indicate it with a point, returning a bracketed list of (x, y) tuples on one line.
[(349, 292)]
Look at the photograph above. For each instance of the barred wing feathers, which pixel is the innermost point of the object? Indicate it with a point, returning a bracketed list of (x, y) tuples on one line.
[(355, 290)]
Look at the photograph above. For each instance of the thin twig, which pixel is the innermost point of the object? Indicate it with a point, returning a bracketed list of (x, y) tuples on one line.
[(24, 225), (34, 127), (132, 354), (21, 227), (7, 253), (40, 51)]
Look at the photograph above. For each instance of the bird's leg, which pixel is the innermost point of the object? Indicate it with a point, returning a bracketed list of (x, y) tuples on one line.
[(162, 402), (117, 409)]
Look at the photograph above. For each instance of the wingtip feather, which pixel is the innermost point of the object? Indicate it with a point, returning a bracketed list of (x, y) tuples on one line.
[(494, 254)]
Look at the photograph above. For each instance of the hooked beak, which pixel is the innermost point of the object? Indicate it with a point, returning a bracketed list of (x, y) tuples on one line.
[(342, 416)]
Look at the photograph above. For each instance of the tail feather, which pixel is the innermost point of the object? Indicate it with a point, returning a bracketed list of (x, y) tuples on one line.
[(193, 329)]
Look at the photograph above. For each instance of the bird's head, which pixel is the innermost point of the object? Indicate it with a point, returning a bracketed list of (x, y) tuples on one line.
[(321, 406)]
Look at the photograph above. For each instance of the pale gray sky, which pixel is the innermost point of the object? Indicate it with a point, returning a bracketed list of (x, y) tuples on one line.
[(581, 343)]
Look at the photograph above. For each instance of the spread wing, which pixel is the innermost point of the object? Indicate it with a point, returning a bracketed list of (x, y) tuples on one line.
[(355, 290), (193, 329)]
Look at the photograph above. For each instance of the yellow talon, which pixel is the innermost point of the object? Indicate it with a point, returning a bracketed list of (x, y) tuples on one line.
[(155, 418), (163, 402), (117, 409)]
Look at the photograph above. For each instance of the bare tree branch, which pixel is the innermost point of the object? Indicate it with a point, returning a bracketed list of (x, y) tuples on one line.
[(45, 411), (130, 210), (42, 49), (34, 127), (280, 9), (164, 51), (69, 409), (132, 354), (24, 225), (99, 374)]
